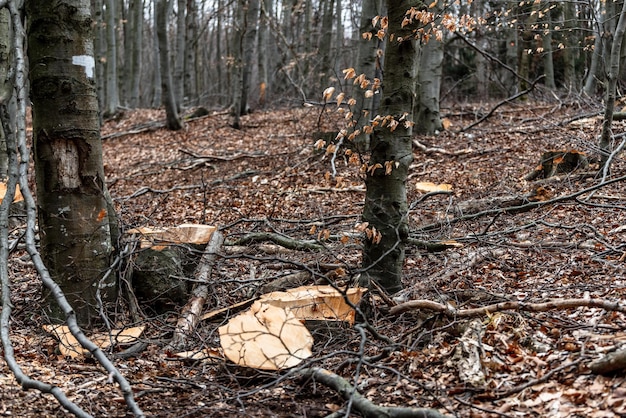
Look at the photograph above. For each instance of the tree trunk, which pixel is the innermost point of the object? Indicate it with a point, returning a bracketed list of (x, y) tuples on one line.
[(76, 242), (426, 113), (593, 73), (157, 98), (612, 77), (571, 45), (391, 154), (264, 57), (6, 86), (548, 63), (112, 98), (191, 50), (251, 21), (136, 37), (237, 70), (179, 57), (100, 50), (169, 100), (366, 64), (324, 48)]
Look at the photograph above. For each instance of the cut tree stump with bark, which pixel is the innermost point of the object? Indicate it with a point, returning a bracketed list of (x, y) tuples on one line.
[(555, 162)]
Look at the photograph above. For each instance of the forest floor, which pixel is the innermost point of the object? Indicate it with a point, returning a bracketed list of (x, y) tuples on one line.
[(268, 177)]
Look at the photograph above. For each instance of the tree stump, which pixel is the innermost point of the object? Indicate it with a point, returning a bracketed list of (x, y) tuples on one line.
[(159, 277), (555, 162)]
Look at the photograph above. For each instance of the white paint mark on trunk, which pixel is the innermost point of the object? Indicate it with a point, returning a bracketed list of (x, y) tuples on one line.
[(86, 61)]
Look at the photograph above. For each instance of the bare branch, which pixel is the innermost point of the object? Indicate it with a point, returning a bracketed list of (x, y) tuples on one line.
[(452, 312)]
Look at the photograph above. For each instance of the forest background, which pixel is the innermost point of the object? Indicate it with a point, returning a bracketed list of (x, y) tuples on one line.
[(477, 79)]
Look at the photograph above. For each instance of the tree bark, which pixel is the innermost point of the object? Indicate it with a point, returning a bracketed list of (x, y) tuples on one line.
[(251, 21), (112, 98), (426, 113), (136, 37), (169, 100), (366, 64), (73, 210), (612, 77), (391, 154)]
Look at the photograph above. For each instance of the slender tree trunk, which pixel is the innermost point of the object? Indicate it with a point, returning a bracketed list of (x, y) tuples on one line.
[(251, 20), (76, 241), (325, 46), (191, 51), (157, 99), (571, 46), (265, 52), (548, 63), (426, 113), (136, 38), (237, 70), (6, 86), (386, 206), (612, 77), (366, 64), (112, 101), (100, 50), (594, 66), (179, 57), (169, 100)]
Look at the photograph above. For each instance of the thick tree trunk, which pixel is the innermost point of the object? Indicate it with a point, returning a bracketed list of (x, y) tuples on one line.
[(71, 192), (391, 154), (169, 100)]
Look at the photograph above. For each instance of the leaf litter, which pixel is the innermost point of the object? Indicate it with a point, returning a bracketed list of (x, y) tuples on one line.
[(268, 177)]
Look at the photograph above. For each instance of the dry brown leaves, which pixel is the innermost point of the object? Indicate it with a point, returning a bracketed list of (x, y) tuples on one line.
[(268, 177)]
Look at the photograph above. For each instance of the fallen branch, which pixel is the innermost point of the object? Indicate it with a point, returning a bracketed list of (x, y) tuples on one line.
[(363, 405), (452, 312), (283, 241), (190, 315), (435, 150), (519, 208)]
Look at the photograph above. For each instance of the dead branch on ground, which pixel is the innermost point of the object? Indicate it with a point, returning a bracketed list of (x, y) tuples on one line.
[(190, 315), (519, 208), (435, 150), (282, 240), (452, 312), (363, 405)]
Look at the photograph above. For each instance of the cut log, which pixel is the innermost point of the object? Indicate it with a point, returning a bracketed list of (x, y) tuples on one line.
[(190, 315), (611, 363)]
